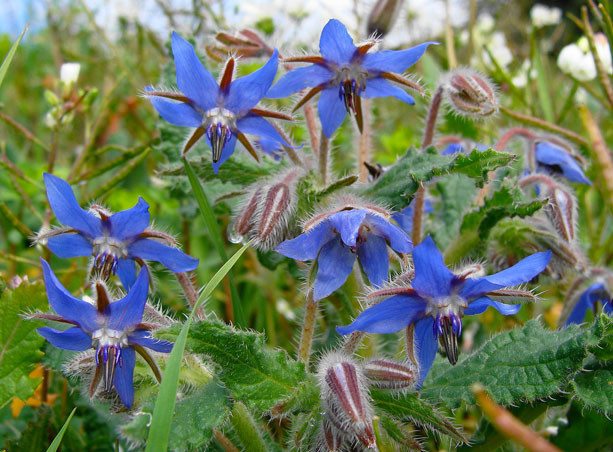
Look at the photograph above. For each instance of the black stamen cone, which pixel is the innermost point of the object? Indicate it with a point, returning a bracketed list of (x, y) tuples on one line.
[(218, 141), (449, 340), (108, 370)]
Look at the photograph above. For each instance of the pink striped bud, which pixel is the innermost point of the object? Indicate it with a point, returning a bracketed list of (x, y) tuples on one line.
[(383, 16), (332, 437), (562, 212), (471, 94), (387, 374)]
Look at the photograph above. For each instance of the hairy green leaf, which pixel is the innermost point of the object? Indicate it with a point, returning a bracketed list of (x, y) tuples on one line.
[(585, 431), (594, 388)]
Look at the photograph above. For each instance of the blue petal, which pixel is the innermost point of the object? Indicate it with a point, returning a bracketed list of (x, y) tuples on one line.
[(298, 79), (172, 258), (177, 113), (70, 245), (481, 304), (67, 209), (144, 339), (131, 222), (226, 152), (396, 237), (335, 263), (69, 307), (432, 278), (72, 339), (331, 110), (551, 155), (389, 316), (256, 125), (453, 148), (347, 223), (192, 78), (126, 270), (425, 345), (520, 273), (128, 311), (596, 292), (306, 246), (394, 60), (335, 44), (379, 87), (247, 91), (404, 218), (124, 376), (374, 258)]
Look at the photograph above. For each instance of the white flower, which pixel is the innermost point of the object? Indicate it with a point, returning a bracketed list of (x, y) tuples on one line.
[(485, 23), (572, 60), (520, 80), (543, 16), (604, 51), (499, 50), (69, 73), (584, 70)]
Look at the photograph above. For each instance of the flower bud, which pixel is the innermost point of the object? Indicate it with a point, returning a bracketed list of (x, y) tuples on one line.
[(246, 44), (562, 212), (383, 16), (387, 374), (471, 94), (69, 73)]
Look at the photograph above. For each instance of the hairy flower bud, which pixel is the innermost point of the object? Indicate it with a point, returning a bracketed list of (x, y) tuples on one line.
[(562, 212), (245, 44), (383, 16), (389, 374), (471, 94)]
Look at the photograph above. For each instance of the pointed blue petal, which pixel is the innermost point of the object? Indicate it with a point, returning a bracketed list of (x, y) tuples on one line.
[(404, 218), (69, 307), (126, 270), (432, 278), (72, 339), (520, 273), (226, 153), (124, 376), (192, 78), (379, 87), (256, 125), (245, 92), (389, 316), (335, 44), (331, 110), (306, 246), (299, 79), (374, 258), (172, 258), (453, 148), (128, 312), (481, 304), (144, 339), (394, 60), (396, 237), (335, 263), (131, 222), (67, 209), (425, 345), (347, 223), (596, 292), (551, 155), (70, 245), (177, 113)]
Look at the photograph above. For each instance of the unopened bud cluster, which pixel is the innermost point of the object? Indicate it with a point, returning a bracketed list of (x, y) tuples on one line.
[(470, 93)]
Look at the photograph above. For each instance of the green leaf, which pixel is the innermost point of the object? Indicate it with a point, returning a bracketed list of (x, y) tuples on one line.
[(9, 56), (478, 164), (19, 342), (258, 376), (457, 193), (586, 431), (409, 407), (247, 429), (594, 388), (603, 328), (522, 364), (58, 439), (165, 403)]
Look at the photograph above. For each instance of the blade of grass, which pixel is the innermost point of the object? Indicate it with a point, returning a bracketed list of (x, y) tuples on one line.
[(9, 56), (159, 433), (58, 439), (211, 223)]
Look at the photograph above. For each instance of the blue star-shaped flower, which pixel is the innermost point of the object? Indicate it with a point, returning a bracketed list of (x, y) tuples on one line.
[(113, 329), (344, 73), (336, 239), (437, 300), (596, 292), (116, 241), (223, 112), (555, 159)]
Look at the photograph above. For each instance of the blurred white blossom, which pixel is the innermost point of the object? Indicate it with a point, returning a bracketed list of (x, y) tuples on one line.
[(543, 16), (69, 73)]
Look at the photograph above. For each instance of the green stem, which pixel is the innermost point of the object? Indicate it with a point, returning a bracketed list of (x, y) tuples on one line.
[(246, 429), (308, 329), (211, 223)]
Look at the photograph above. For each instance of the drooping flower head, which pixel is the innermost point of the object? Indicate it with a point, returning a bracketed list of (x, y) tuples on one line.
[(433, 304), (222, 112), (115, 241), (553, 158), (336, 237), (345, 72), (113, 329), (597, 292)]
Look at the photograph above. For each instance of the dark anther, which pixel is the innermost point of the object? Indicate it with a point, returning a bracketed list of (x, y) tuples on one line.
[(348, 92), (449, 339), (109, 356), (218, 135)]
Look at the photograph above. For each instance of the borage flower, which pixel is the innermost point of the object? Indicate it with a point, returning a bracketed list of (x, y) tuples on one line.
[(553, 158), (344, 73), (404, 218), (335, 238), (115, 240), (597, 292), (113, 329), (434, 303), (222, 112)]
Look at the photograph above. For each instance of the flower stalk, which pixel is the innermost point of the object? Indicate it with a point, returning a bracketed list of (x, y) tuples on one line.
[(308, 329), (324, 147), (190, 294)]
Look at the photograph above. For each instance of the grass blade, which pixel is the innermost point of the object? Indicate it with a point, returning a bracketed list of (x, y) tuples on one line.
[(165, 403), (58, 439), (211, 223), (9, 56)]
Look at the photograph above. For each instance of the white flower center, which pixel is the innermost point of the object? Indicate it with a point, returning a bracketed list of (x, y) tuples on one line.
[(107, 251)]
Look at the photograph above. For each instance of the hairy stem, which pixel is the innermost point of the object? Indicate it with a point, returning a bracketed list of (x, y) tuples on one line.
[(418, 212), (324, 146), (309, 116), (308, 329), (246, 429), (190, 294), (364, 149), (224, 441)]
